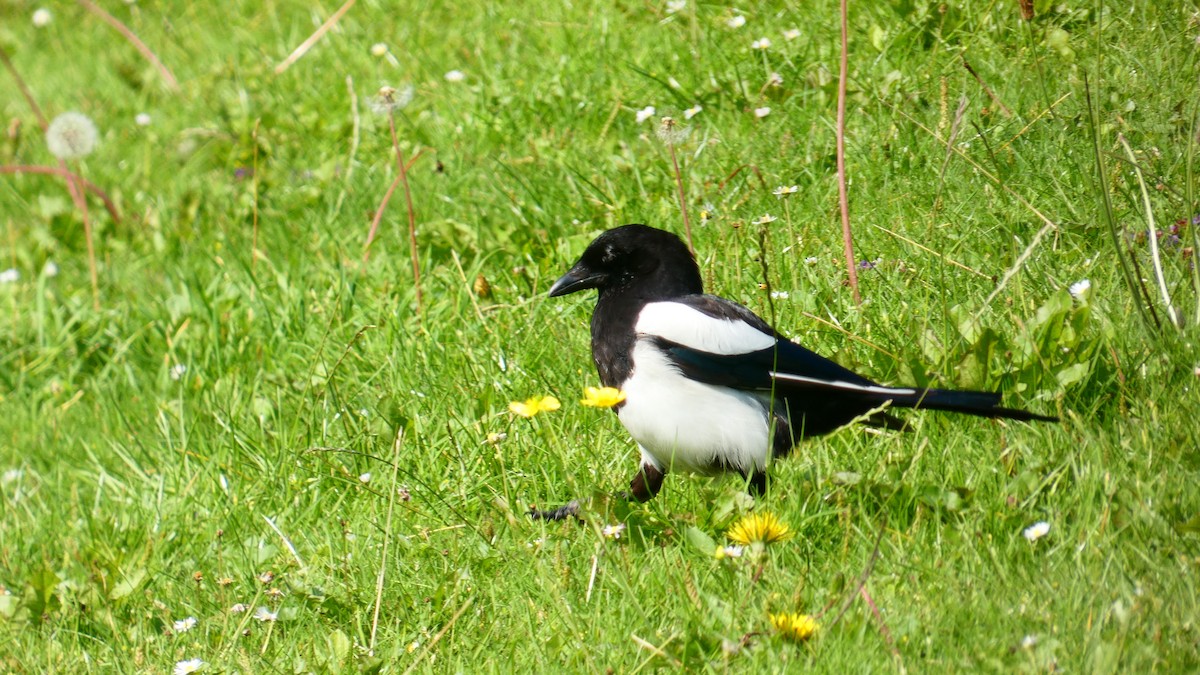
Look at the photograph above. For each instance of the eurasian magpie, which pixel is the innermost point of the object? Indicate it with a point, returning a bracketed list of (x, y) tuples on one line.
[(709, 386)]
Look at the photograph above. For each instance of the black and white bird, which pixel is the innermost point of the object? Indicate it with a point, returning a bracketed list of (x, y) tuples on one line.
[(709, 386)]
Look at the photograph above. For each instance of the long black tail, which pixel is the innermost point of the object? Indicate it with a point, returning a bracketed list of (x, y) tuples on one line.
[(980, 403)]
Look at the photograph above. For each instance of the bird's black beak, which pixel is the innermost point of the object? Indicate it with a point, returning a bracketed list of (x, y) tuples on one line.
[(578, 278)]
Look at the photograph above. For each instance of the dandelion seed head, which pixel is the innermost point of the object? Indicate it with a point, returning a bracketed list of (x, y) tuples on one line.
[(72, 135), (671, 132), (390, 99)]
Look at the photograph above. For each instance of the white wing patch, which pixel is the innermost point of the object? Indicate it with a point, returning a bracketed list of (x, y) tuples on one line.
[(696, 330), (846, 386)]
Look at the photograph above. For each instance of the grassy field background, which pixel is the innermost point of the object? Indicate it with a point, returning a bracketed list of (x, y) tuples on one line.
[(223, 430)]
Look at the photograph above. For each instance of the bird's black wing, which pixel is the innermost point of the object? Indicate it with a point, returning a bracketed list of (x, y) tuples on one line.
[(723, 343)]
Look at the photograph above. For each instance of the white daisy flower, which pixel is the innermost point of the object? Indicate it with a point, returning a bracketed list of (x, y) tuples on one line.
[(1080, 289), (1037, 530), (42, 17), (365, 478), (50, 269), (692, 112), (761, 43), (142, 120), (645, 113), (10, 276), (379, 49), (736, 21), (785, 190), (674, 6), (762, 112), (264, 614), (184, 625), (766, 218), (791, 34), (188, 667), (456, 76), (613, 531), (177, 371), (731, 551), (238, 608)]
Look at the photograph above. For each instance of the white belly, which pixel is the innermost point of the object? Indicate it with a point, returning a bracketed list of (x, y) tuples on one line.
[(684, 425)]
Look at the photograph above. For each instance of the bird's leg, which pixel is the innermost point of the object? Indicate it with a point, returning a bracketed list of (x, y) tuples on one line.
[(646, 483), (757, 482)]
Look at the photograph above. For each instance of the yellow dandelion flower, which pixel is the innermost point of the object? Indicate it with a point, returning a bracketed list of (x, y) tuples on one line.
[(759, 528), (602, 397), (797, 627), (532, 406)]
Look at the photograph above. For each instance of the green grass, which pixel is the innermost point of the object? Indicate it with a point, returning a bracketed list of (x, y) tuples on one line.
[(131, 499)]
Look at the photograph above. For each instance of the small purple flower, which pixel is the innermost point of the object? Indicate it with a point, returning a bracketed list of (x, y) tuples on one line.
[(869, 264), (1196, 219), (1171, 241), (241, 173)]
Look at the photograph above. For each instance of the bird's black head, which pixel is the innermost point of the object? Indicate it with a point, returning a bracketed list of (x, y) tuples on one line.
[(653, 262)]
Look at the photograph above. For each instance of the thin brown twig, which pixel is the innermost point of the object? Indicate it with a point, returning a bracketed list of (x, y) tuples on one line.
[(412, 218), (254, 189), (987, 90), (387, 196), (70, 176), (866, 574), (12, 70), (883, 627), (687, 224), (128, 34), (312, 39), (843, 197), (81, 204)]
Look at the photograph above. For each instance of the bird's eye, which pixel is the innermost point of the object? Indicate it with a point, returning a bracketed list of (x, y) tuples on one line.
[(610, 255)]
